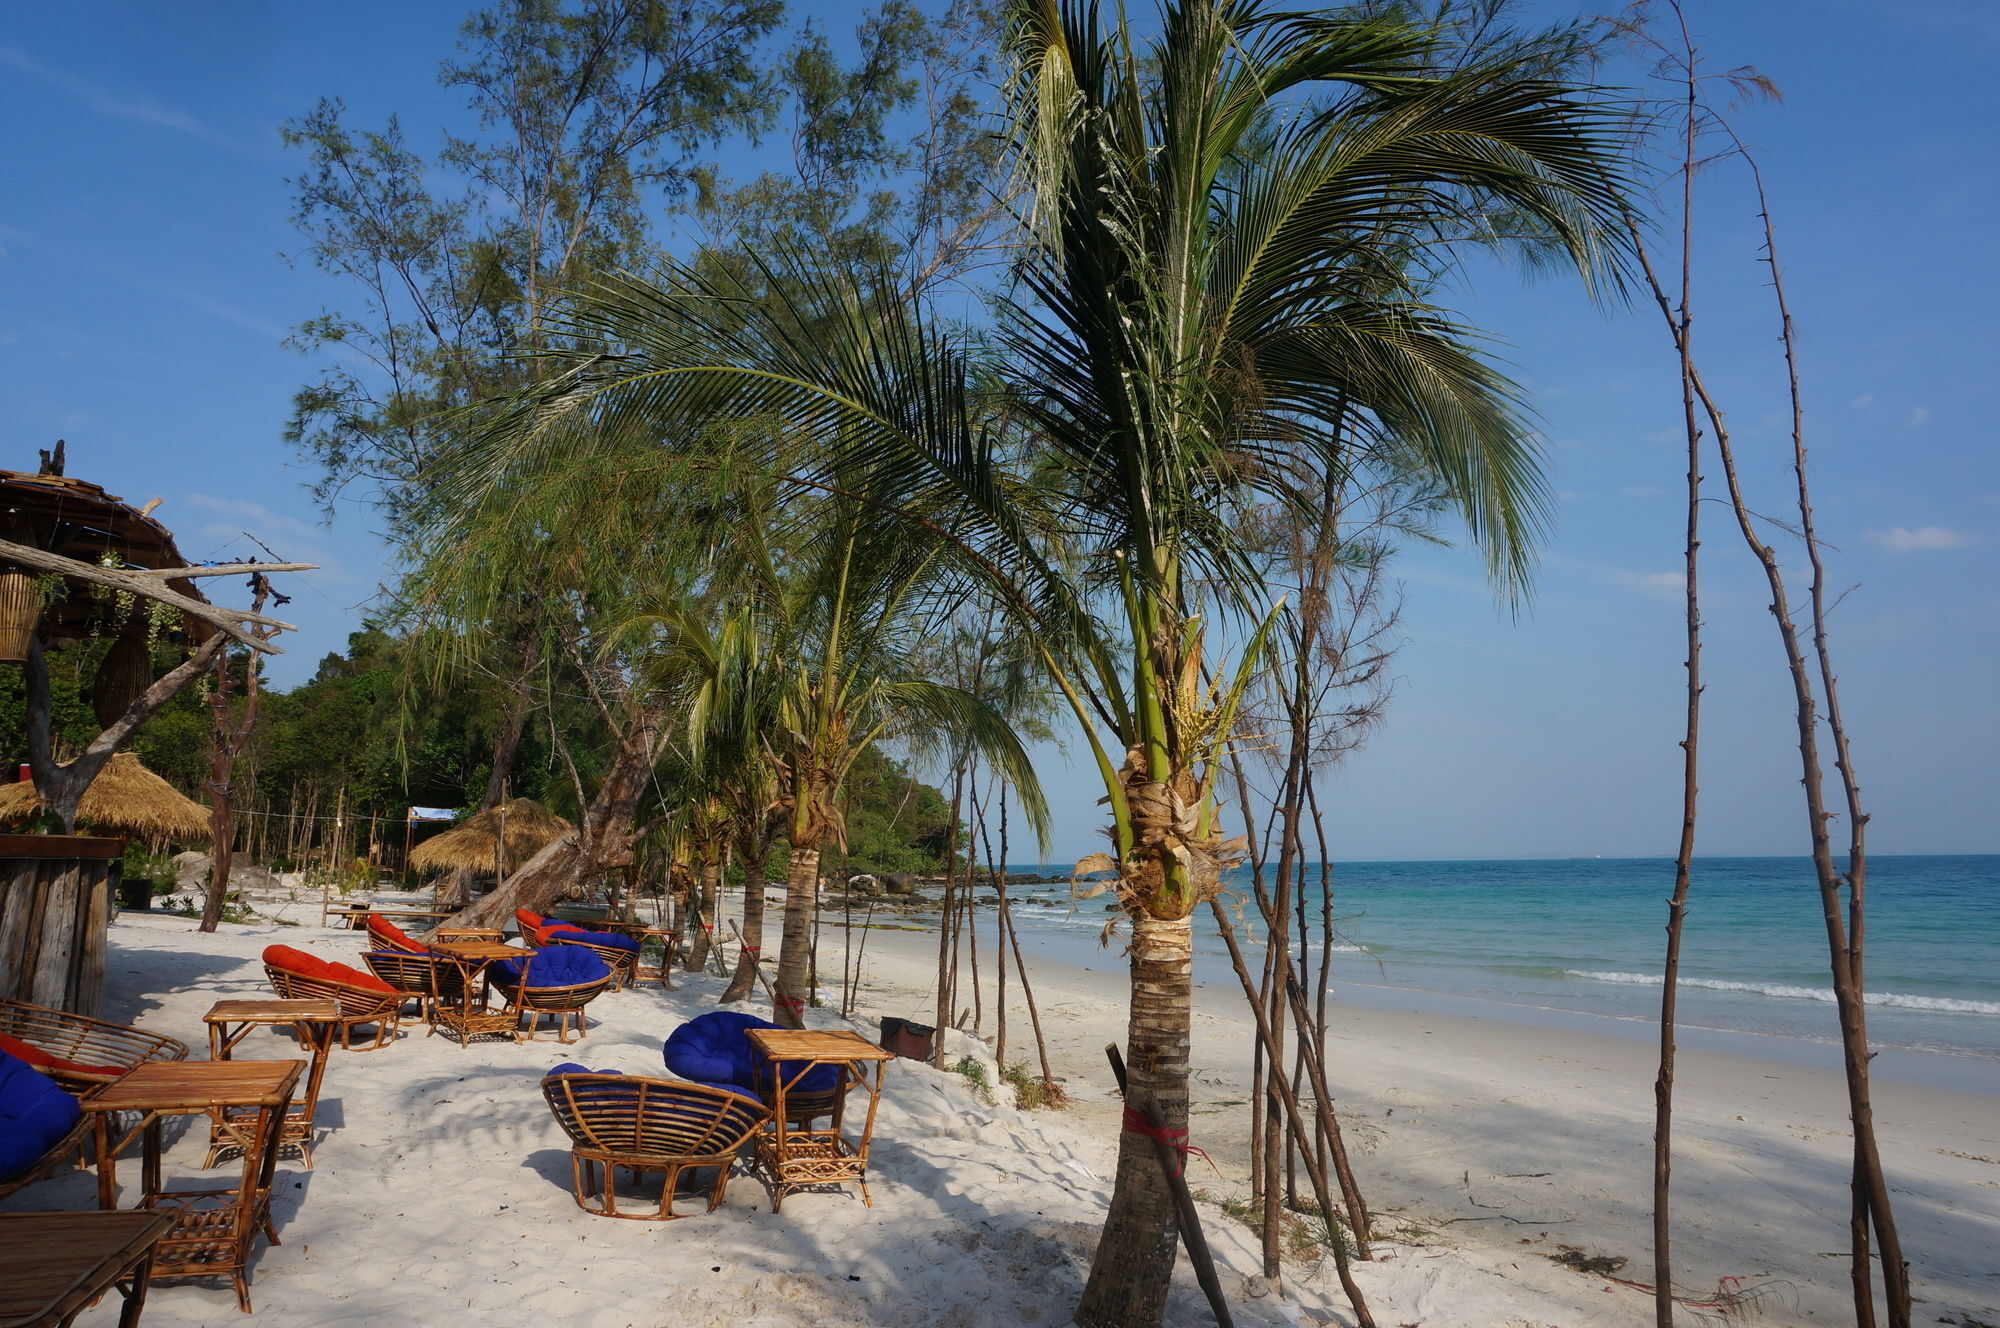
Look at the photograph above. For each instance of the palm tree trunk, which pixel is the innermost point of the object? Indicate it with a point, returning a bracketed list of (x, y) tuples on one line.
[(752, 949), (1133, 1268), (795, 959), (711, 896)]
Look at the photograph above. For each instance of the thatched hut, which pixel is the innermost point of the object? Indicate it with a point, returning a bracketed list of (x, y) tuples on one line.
[(125, 798), (475, 844)]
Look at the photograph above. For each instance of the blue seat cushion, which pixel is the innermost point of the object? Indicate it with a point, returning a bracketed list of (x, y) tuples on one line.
[(605, 938), (557, 966), (714, 1049), (35, 1113)]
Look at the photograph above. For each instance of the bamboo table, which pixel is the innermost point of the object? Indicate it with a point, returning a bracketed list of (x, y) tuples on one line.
[(472, 1018), (314, 1024), (795, 1159), (356, 915), (213, 1230), (53, 1266)]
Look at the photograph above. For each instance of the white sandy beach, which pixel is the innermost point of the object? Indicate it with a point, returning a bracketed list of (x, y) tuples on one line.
[(441, 1188)]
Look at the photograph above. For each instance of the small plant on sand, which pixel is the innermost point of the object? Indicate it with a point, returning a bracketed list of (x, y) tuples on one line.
[(1033, 1093), (1597, 1265), (975, 1074), (1303, 1232)]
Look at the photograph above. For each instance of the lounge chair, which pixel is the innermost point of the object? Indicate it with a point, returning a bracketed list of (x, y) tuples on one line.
[(421, 976), (558, 981), (619, 953), (40, 1124), (361, 997), (386, 935), (642, 1125), (78, 1052), (713, 1049)]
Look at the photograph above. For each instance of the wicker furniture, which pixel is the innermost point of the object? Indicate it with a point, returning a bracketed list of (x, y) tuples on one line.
[(670, 948), (215, 1229), (386, 935), (552, 982), (426, 977), (797, 1159), (362, 998), (53, 1266), (621, 959), (74, 1144), (463, 934), (646, 1125), (469, 1017), (79, 1053), (312, 1024), (356, 916)]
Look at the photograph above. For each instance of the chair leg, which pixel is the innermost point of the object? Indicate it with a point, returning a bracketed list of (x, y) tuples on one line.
[(242, 1291), (721, 1185)]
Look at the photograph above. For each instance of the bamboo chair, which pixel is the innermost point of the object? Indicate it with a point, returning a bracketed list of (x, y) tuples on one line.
[(670, 949), (643, 1125), (564, 1003), (88, 1053), (358, 1005), (623, 963), (449, 934), (420, 976)]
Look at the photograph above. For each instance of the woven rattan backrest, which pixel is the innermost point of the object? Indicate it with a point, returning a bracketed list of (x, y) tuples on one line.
[(353, 1001), (419, 974), (629, 1113), (86, 1041)]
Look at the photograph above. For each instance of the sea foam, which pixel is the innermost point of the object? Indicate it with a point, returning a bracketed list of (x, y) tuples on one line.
[(1891, 999)]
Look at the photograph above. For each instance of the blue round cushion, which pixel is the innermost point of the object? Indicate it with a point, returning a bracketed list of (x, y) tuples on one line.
[(557, 966), (713, 1049), (606, 938), (35, 1113)]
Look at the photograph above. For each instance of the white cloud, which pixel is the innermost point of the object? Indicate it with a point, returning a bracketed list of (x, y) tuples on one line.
[(1642, 490), (1861, 401), (1661, 585), (141, 109), (1922, 539), (1919, 415)]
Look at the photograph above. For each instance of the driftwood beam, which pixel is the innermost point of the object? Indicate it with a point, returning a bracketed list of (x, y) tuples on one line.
[(228, 621)]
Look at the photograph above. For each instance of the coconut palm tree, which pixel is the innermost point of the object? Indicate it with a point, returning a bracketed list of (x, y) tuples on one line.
[(1225, 305)]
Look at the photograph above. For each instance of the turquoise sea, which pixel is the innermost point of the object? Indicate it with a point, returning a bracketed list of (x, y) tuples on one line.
[(1586, 936)]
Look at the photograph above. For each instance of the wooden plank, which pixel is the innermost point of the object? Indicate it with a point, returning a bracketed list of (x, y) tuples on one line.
[(92, 938), (49, 984), (61, 847)]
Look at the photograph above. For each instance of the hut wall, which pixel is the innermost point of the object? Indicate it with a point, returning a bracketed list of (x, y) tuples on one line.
[(55, 906)]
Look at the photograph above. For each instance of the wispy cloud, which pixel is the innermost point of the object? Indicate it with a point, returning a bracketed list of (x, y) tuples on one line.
[(1919, 415), (1920, 539), (195, 300), (139, 109), (1861, 401), (1660, 585), (1641, 490), (233, 528)]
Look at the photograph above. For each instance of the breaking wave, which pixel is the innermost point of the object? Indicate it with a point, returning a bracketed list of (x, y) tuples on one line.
[(1889, 999)]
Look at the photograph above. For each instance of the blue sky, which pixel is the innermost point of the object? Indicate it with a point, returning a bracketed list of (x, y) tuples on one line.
[(144, 292)]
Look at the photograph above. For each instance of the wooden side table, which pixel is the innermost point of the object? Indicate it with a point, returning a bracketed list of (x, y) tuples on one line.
[(473, 1018), (670, 948), (796, 1159), (53, 1266), (314, 1023), (213, 1230)]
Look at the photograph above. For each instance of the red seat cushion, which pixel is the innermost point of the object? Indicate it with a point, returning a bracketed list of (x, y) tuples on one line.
[(312, 966), (530, 921), (393, 937), (35, 1056)]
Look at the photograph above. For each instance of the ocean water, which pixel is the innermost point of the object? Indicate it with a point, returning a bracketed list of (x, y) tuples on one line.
[(1588, 935)]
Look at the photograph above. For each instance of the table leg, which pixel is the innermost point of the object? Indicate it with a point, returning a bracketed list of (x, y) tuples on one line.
[(135, 1299), (149, 1167), (107, 1163)]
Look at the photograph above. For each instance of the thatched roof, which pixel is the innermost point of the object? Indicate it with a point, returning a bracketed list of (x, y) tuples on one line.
[(125, 797), (474, 842)]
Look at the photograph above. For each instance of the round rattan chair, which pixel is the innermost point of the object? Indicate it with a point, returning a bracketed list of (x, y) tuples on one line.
[(369, 1001), (551, 982), (622, 959), (84, 1053), (418, 976), (645, 1125)]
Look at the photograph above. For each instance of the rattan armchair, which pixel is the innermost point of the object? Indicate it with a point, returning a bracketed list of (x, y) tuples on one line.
[(85, 1053), (645, 1125), (622, 960), (359, 1003), (421, 977), (563, 1003)]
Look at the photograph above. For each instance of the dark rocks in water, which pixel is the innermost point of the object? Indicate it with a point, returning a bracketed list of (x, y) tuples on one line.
[(900, 883)]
